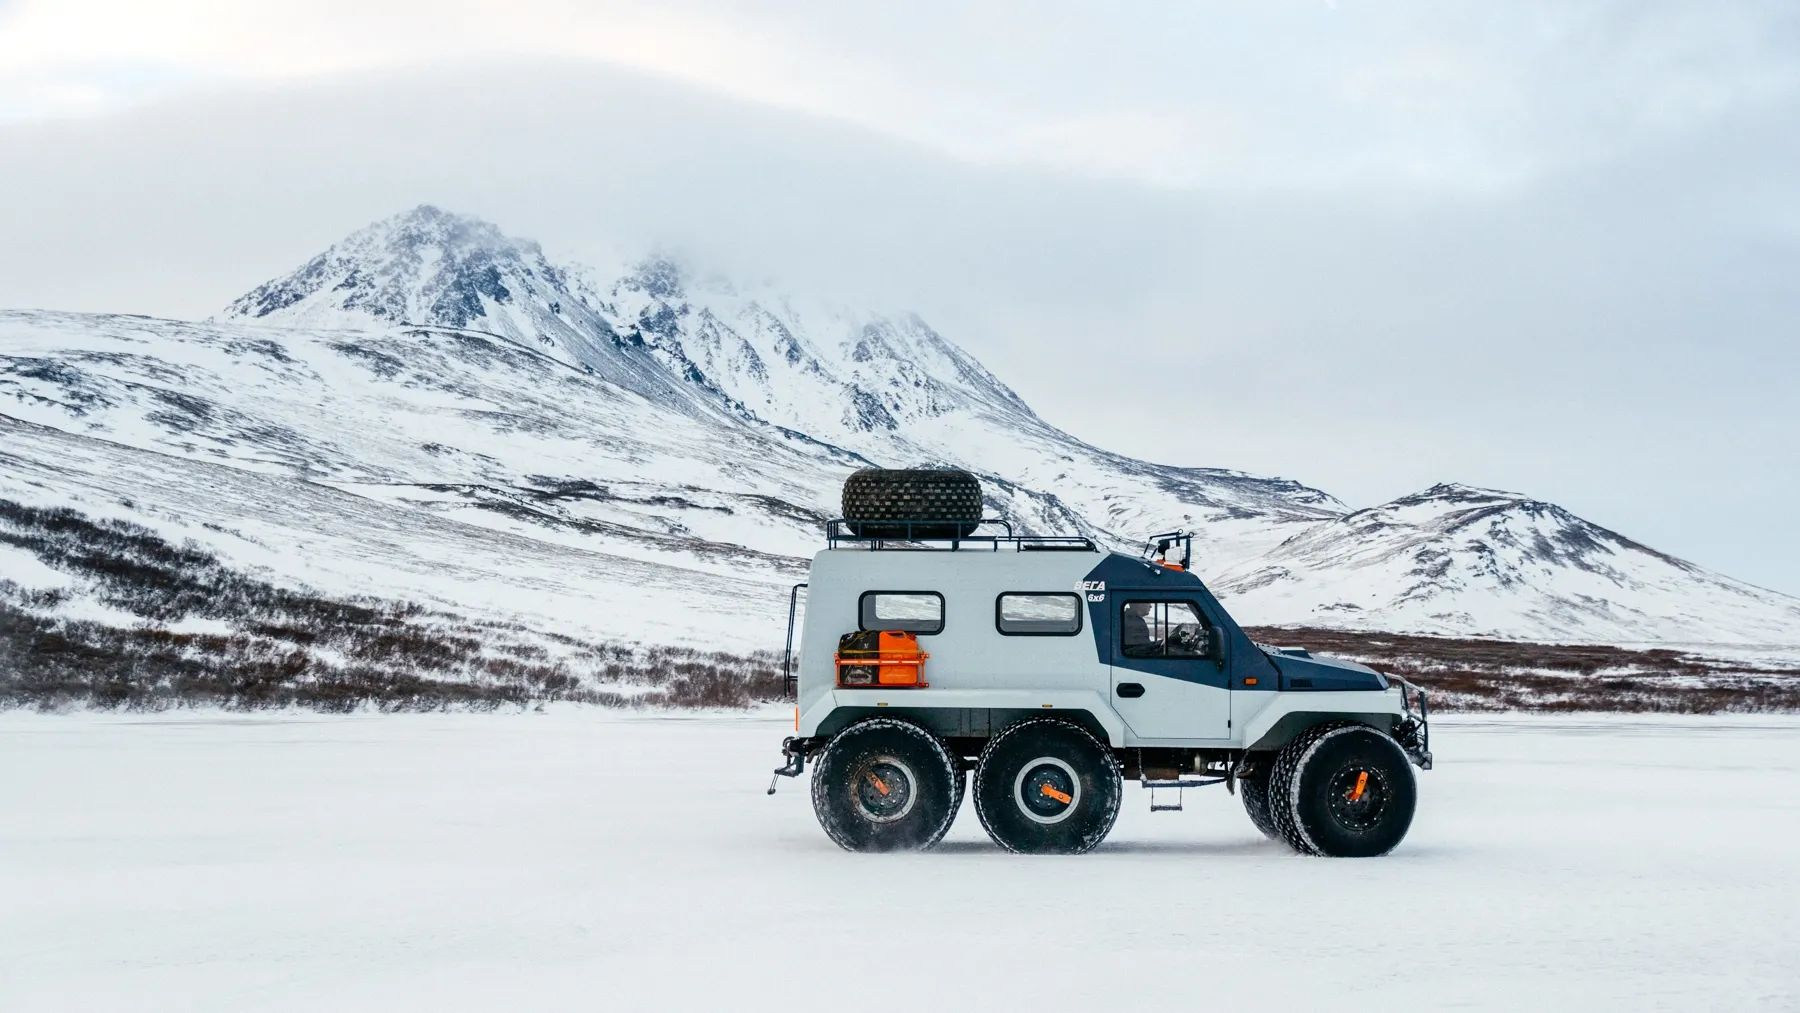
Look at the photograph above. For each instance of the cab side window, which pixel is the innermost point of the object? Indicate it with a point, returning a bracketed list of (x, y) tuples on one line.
[(1163, 629)]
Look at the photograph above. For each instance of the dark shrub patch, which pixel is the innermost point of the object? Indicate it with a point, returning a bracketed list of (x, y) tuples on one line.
[(1504, 675), (289, 647)]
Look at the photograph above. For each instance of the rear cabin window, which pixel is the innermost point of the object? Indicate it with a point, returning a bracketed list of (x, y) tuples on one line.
[(1019, 614), (903, 611)]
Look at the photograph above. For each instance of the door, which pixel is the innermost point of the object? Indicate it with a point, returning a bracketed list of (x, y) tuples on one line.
[(1167, 683)]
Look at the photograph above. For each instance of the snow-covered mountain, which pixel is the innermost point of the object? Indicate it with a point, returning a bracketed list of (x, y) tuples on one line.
[(664, 442), (884, 386), (455, 422), (892, 389), (1457, 559), (430, 267)]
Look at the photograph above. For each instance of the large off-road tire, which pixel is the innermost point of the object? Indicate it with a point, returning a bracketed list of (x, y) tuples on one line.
[(1047, 787), (885, 785), (1255, 793), (1343, 790), (947, 501)]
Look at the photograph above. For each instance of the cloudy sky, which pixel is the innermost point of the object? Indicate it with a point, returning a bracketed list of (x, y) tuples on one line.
[(1551, 247)]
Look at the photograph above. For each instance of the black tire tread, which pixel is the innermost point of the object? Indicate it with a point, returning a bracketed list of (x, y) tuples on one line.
[(1291, 797), (1110, 770), (820, 788), (1255, 793), (1282, 777)]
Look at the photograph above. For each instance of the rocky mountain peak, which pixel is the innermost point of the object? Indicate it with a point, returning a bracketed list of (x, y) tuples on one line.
[(423, 266), (658, 276)]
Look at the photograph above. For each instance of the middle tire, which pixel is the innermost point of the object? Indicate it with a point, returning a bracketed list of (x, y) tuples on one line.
[(1047, 787)]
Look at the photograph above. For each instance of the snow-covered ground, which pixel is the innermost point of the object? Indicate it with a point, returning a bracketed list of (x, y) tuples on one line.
[(588, 860)]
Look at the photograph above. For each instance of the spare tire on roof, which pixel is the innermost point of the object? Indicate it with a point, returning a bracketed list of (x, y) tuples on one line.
[(912, 503)]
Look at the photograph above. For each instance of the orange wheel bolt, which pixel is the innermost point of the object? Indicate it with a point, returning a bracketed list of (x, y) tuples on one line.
[(880, 785), (1362, 782), (1061, 796)]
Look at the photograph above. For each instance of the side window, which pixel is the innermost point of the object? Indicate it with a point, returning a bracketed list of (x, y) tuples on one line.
[(902, 611), (1163, 629), (1038, 615)]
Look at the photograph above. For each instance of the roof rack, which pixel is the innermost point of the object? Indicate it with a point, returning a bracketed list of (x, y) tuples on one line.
[(838, 533)]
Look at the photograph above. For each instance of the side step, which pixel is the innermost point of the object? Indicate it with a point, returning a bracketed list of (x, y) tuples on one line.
[(1177, 786)]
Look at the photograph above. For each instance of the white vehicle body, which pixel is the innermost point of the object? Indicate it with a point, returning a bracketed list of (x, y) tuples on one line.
[(1053, 672), (980, 679)]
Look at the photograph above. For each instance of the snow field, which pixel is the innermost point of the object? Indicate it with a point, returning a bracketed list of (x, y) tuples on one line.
[(589, 860)]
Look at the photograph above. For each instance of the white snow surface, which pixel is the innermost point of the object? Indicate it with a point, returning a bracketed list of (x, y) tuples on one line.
[(26, 571), (586, 860), (538, 439)]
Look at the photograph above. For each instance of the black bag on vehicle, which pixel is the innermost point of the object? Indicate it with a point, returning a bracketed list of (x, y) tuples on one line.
[(857, 646)]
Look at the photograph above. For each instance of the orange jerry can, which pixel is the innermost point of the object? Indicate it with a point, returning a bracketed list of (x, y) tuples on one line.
[(884, 658), (902, 663)]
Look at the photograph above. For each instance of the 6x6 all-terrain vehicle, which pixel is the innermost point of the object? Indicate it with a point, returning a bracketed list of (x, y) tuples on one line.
[(1054, 671)]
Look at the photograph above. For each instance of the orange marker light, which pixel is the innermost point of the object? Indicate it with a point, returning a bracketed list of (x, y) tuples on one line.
[(1061, 796)]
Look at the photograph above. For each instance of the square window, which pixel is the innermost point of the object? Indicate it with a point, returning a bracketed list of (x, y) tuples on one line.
[(903, 611), (1040, 615)]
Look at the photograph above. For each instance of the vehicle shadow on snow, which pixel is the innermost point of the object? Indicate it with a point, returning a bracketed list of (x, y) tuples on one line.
[(1193, 849), (1186, 849)]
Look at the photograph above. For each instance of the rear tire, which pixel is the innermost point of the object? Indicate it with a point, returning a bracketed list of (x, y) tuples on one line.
[(1344, 791), (947, 500), (1047, 787), (885, 785)]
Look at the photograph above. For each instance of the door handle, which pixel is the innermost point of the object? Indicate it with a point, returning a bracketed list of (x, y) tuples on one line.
[(1130, 690)]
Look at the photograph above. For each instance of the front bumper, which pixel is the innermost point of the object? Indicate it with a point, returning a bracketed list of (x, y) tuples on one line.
[(1414, 730)]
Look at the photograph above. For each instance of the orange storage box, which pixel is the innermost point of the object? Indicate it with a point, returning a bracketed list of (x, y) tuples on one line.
[(874, 658)]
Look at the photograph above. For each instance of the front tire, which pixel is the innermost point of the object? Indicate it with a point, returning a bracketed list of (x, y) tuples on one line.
[(885, 785), (1255, 793), (1047, 787), (1344, 791)]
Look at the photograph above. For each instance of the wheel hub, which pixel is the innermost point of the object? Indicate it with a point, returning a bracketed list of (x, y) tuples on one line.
[(883, 787), (1047, 790), (1358, 797)]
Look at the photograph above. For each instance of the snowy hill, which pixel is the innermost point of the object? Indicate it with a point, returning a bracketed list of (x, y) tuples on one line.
[(668, 445), (454, 422), (1456, 559)]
